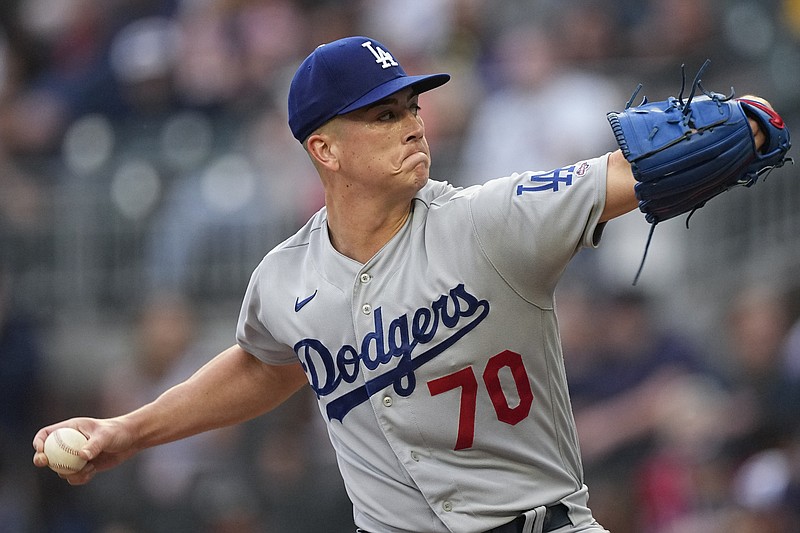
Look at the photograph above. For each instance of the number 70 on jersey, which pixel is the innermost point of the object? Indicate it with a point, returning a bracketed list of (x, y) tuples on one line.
[(466, 380)]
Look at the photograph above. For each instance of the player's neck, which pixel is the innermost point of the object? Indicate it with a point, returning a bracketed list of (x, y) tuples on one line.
[(360, 232)]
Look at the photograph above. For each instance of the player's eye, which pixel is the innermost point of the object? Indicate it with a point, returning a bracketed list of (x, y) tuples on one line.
[(388, 115)]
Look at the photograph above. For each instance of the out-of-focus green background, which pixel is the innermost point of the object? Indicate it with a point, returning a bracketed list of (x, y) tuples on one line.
[(146, 167)]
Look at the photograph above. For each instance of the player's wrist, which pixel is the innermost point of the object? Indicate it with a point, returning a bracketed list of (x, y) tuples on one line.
[(141, 428)]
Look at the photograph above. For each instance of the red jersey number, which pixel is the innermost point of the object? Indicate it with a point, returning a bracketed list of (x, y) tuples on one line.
[(466, 380)]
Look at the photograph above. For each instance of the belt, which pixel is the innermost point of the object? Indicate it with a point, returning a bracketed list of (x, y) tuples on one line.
[(555, 517)]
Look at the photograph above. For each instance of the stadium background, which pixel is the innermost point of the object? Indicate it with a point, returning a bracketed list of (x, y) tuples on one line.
[(146, 167)]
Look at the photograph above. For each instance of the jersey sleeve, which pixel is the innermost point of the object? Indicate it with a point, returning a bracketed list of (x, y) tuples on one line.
[(530, 225), (252, 334)]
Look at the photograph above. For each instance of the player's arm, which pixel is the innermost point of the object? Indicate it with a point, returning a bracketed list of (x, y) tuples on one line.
[(233, 387), (620, 195)]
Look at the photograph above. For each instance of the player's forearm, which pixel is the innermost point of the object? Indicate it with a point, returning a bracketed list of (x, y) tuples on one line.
[(620, 195), (233, 387)]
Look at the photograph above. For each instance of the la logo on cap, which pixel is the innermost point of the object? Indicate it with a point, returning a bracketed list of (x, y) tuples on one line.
[(381, 56)]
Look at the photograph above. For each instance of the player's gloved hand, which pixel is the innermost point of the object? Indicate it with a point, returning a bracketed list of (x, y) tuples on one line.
[(771, 153), (683, 152)]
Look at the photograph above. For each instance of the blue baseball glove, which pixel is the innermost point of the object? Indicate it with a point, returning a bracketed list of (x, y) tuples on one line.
[(685, 152)]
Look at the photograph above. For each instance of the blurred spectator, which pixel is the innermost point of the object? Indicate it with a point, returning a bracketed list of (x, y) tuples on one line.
[(791, 12), (208, 71), (540, 112), (22, 205), (757, 328), (431, 22), (142, 57), (242, 200), (727, 459), (158, 483), (20, 364), (620, 390), (764, 489), (290, 461), (62, 71), (791, 347), (590, 31), (675, 28), (21, 400), (682, 484), (581, 331)]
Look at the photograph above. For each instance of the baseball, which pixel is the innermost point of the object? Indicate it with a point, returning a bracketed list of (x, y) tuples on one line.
[(61, 448)]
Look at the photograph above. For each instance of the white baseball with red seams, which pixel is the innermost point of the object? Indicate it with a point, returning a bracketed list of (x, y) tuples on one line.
[(61, 448)]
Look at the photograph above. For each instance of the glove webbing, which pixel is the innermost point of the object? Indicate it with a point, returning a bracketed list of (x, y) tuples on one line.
[(686, 109)]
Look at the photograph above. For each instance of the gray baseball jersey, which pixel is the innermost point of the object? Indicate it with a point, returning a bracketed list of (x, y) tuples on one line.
[(437, 364)]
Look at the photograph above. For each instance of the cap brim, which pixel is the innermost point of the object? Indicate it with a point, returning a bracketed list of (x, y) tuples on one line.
[(419, 83)]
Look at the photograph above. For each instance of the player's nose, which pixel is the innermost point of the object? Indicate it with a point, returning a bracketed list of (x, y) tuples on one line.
[(413, 127)]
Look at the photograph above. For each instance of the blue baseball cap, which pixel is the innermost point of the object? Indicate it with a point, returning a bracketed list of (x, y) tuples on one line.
[(346, 75)]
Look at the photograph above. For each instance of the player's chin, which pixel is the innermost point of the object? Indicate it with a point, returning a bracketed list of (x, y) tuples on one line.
[(421, 174), (418, 173)]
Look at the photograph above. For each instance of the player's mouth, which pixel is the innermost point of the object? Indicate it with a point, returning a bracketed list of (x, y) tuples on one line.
[(416, 159)]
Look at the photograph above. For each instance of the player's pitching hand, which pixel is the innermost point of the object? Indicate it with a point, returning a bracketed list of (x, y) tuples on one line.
[(758, 134), (109, 444)]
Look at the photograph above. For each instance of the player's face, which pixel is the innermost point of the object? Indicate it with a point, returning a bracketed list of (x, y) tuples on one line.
[(386, 141)]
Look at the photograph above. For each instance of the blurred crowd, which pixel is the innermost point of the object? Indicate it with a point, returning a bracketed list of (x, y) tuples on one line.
[(687, 435), (146, 166)]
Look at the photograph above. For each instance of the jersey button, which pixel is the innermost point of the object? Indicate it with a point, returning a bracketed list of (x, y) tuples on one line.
[(366, 309), (365, 278), (387, 401), (447, 505), (415, 456)]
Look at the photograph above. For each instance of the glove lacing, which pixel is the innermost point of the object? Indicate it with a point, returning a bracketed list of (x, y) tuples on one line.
[(686, 110)]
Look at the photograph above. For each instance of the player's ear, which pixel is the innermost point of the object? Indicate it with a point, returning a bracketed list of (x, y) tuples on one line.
[(320, 148)]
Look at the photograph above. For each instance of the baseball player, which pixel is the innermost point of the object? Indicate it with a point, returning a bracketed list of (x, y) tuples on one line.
[(422, 316)]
